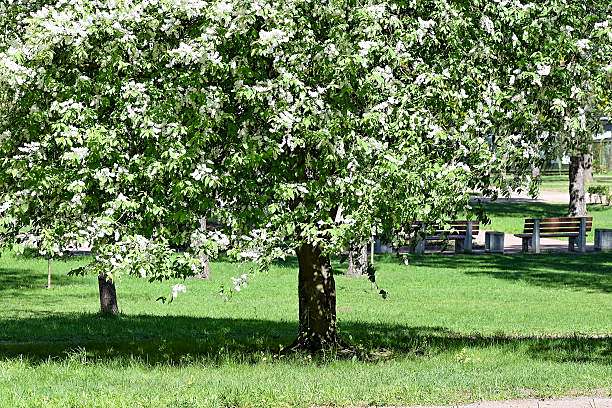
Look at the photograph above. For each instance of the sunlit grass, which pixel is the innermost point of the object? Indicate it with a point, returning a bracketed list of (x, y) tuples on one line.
[(561, 182), (454, 328)]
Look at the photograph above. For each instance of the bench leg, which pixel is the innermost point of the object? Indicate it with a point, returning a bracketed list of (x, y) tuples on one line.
[(582, 236), (459, 246), (571, 244), (525, 245), (467, 245), (419, 249)]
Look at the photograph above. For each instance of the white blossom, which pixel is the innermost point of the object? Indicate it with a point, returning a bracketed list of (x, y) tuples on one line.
[(488, 25), (543, 69), (224, 7), (583, 44), (178, 288), (602, 24), (365, 46), (240, 282)]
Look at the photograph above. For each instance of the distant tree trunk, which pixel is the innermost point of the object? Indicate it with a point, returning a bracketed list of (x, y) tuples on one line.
[(108, 296), (317, 301), (357, 260), (49, 273), (577, 204), (205, 271)]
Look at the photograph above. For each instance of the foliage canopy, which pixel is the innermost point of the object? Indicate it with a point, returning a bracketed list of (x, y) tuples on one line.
[(124, 123)]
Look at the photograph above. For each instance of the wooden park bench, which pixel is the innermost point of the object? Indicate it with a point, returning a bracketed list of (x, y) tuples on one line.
[(574, 228), (462, 232)]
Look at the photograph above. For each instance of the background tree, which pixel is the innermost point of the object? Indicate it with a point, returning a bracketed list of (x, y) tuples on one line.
[(574, 53), (129, 122)]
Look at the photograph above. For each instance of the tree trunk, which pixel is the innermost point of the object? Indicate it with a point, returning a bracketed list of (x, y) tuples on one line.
[(49, 273), (108, 296), (317, 301), (357, 260), (577, 204), (205, 271), (588, 168)]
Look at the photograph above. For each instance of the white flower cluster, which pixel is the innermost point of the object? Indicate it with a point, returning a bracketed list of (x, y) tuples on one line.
[(178, 288), (240, 282), (272, 39), (202, 170), (488, 25)]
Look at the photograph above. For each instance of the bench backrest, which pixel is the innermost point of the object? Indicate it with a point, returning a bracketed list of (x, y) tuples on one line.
[(455, 228), (565, 225)]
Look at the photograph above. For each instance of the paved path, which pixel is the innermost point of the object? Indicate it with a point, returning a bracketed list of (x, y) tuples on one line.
[(584, 402), (581, 402), (514, 244), (549, 196), (545, 196)]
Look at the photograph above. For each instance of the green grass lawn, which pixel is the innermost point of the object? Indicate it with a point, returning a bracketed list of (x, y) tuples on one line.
[(561, 183), (453, 329)]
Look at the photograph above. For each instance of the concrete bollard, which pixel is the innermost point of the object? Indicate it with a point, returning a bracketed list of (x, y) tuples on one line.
[(603, 239), (494, 242)]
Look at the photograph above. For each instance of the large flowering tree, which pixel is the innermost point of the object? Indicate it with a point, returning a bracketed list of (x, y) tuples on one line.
[(298, 126)]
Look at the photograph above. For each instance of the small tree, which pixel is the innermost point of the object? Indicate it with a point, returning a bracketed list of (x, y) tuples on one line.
[(129, 122)]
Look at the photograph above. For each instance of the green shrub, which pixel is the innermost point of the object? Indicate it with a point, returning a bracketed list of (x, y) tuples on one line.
[(601, 192)]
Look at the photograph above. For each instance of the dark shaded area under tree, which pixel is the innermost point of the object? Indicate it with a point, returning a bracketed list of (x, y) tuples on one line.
[(209, 340)]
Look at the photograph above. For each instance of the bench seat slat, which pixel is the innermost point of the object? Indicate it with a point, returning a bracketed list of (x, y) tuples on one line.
[(558, 224), (443, 237), (559, 219), (549, 235), (563, 229), (447, 232), (456, 230)]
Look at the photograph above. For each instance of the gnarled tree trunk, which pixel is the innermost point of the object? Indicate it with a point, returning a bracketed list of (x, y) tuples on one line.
[(577, 203), (108, 296), (357, 260), (317, 301)]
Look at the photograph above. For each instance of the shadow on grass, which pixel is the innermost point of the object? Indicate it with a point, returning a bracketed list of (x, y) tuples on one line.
[(525, 209), (179, 339), (534, 209), (14, 278), (590, 271)]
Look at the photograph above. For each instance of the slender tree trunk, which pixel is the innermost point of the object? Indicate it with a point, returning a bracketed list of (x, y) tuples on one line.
[(357, 260), (205, 271), (577, 204), (108, 296), (317, 301), (49, 273)]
